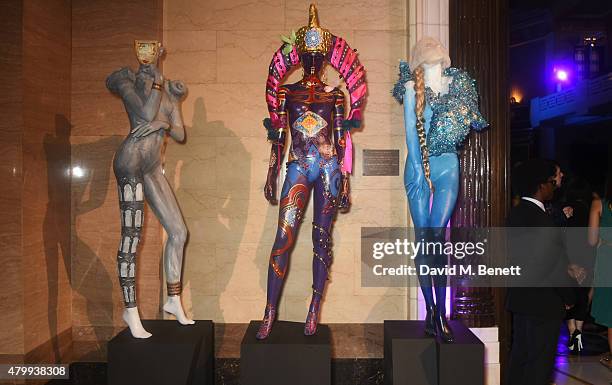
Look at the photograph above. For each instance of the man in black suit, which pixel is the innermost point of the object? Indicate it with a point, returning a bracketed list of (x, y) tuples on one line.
[(539, 298)]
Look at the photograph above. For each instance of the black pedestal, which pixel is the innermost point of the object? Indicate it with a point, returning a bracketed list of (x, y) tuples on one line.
[(287, 356), (410, 355), (413, 358), (461, 362), (174, 355)]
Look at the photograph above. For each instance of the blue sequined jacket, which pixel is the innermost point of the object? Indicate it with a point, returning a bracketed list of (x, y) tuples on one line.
[(453, 114)]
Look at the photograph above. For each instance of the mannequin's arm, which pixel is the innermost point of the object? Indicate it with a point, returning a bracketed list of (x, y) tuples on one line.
[(177, 129), (147, 110), (277, 151), (337, 125), (339, 141), (417, 185), (171, 121), (176, 90)]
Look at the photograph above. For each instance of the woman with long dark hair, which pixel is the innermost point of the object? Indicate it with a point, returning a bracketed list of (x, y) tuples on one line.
[(600, 235)]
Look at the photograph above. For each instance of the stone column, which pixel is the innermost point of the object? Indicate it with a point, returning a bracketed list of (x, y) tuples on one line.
[(427, 18)]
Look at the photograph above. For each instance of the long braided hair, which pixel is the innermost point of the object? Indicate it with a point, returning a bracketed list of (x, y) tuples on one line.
[(419, 108)]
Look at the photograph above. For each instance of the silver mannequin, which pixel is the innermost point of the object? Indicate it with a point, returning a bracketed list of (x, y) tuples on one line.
[(153, 108)]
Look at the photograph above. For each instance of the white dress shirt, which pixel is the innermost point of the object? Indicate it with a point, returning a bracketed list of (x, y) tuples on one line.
[(536, 202)]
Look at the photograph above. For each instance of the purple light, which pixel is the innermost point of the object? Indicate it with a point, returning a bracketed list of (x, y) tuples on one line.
[(562, 75)]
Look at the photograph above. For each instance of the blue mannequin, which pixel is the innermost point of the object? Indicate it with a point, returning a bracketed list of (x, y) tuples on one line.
[(440, 106)]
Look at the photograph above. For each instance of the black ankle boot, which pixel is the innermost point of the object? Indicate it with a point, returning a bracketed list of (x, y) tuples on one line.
[(443, 328), (430, 324)]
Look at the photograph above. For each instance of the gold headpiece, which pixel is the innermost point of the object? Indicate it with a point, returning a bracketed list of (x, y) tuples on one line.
[(313, 38), (146, 50)]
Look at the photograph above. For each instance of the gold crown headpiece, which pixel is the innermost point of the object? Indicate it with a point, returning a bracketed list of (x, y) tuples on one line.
[(312, 38)]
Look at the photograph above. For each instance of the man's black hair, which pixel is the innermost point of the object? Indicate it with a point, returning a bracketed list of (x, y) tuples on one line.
[(529, 175)]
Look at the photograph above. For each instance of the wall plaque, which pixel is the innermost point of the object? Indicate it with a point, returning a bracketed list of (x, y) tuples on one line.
[(380, 162)]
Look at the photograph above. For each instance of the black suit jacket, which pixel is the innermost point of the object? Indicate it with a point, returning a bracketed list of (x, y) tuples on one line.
[(537, 245)]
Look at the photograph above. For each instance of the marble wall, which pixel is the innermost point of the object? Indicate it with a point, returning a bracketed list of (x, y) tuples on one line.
[(46, 181), (102, 41), (222, 51), (11, 126), (36, 305)]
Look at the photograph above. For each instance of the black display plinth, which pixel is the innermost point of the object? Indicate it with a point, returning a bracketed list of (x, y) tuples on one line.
[(410, 355), (413, 358), (461, 362), (287, 356), (173, 355)]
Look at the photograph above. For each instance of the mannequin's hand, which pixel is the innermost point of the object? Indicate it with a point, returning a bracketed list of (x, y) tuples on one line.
[(146, 128), (344, 197), (417, 187), (270, 187), (153, 70), (159, 77)]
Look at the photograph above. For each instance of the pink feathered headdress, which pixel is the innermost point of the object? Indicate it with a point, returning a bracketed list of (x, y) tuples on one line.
[(339, 55)]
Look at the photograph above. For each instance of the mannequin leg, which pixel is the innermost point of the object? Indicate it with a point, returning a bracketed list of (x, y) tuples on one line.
[(445, 177), (294, 197), (326, 189), (163, 203), (422, 234), (131, 204), (419, 212), (440, 260)]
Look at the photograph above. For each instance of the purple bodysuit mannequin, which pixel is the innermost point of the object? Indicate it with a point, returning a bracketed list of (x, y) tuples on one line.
[(314, 114)]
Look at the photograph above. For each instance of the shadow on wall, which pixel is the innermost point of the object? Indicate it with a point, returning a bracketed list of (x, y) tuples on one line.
[(56, 225), (90, 277), (228, 225), (223, 202)]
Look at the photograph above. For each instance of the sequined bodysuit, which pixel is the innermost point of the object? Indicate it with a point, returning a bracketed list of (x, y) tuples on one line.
[(448, 117), (447, 121)]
